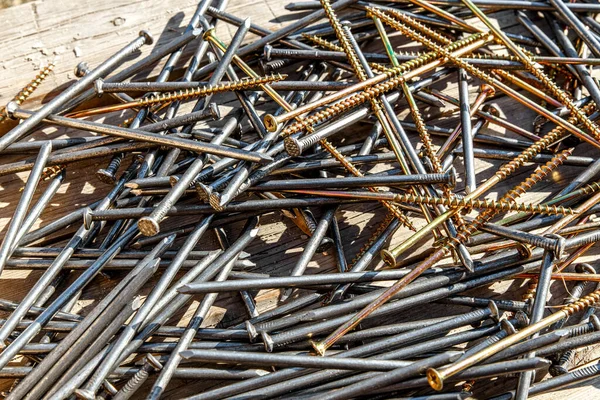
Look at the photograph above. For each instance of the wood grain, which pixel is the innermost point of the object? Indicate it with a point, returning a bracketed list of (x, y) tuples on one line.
[(68, 32)]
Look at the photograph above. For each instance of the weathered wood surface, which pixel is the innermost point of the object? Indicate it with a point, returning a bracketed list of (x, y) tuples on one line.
[(69, 32)]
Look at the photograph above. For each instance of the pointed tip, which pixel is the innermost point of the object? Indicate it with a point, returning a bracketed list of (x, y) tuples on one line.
[(264, 158), (247, 22), (186, 354), (243, 264), (184, 289)]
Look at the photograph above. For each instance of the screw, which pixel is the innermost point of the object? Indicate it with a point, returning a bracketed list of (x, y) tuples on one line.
[(53, 105), (436, 377)]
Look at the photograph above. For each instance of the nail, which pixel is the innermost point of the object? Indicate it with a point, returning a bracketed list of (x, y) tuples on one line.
[(54, 105)]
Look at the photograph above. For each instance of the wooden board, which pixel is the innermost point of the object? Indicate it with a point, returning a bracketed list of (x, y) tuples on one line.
[(67, 33)]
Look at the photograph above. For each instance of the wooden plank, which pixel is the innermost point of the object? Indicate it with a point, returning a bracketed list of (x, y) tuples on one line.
[(70, 32)]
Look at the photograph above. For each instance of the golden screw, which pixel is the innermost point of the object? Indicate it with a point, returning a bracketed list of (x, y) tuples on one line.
[(28, 89), (436, 377), (181, 95)]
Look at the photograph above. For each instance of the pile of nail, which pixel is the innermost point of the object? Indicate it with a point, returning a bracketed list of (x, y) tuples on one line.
[(328, 117)]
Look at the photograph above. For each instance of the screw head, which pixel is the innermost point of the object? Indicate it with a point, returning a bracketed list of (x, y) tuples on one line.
[(595, 322), (153, 361), (11, 108), (452, 173), (271, 123), (87, 218), (148, 36), (388, 257), (268, 342), (252, 333), (267, 52), (557, 370), (319, 347), (148, 226), (105, 176), (436, 381), (293, 146), (98, 84), (208, 34), (215, 113), (173, 180), (489, 90), (81, 69)]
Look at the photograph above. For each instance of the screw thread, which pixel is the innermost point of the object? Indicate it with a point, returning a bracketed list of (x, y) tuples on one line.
[(554, 90), (33, 85), (395, 78), (115, 163), (586, 371), (274, 65), (582, 303), (579, 330), (354, 171), (344, 40), (497, 206), (28, 89), (132, 385), (185, 94), (413, 23), (539, 174), (52, 171), (373, 238), (590, 188)]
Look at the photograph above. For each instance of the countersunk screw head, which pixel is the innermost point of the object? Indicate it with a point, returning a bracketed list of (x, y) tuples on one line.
[(208, 34), (435, 379), (388, 257), (319, 347), (81, 69), (271, 123), (173, 180), (148, 36), (148, 226)]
